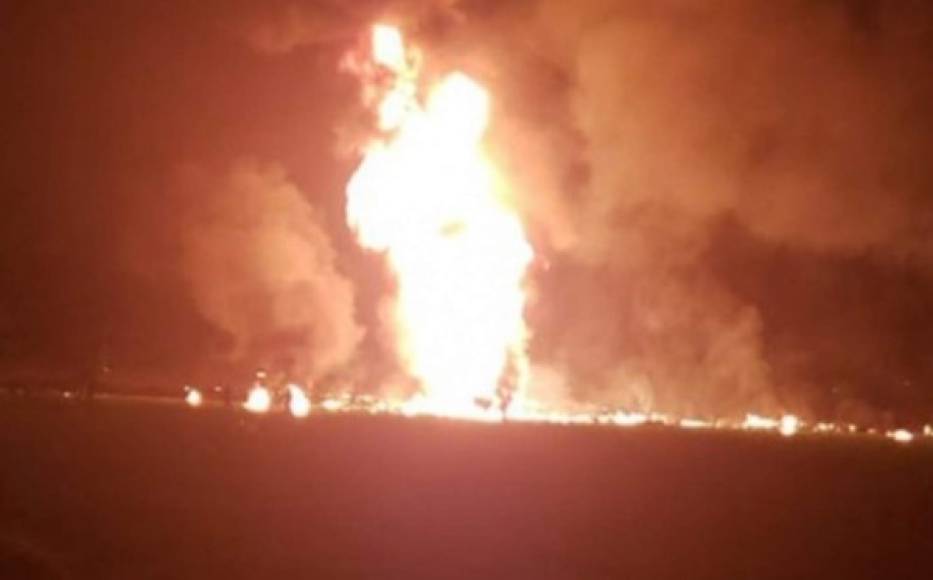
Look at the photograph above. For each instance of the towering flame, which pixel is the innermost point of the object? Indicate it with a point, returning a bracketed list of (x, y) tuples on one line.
[(427, 195)]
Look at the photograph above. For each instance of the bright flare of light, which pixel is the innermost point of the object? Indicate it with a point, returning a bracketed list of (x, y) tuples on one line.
[(298, 403), (194, 398), (258, 400), (426, 194)]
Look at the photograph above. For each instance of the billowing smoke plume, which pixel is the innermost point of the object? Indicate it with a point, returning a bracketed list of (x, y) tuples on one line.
[(797, 118), (787, 120), (262, 268)]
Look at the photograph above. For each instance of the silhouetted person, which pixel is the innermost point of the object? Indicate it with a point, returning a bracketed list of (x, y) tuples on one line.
[(508, 384), (286, 397), (505, 400)]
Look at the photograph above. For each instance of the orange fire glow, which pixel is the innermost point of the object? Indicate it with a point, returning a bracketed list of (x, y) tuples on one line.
[(427, 195)]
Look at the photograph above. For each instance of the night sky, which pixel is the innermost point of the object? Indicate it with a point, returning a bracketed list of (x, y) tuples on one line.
[(731, 201)]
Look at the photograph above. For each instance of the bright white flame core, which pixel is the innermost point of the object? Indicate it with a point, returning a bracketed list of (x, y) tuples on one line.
[(426, 195)]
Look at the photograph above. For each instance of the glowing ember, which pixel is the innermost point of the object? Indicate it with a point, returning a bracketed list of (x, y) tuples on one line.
[(426, 194), (298, 404), (193, 397), (258, 400)]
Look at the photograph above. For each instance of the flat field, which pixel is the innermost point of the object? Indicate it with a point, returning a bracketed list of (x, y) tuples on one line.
[(121, 490)]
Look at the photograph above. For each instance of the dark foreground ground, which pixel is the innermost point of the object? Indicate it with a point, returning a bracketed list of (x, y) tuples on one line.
[(149, 491)]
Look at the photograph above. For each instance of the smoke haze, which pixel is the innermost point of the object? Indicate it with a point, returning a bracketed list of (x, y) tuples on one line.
[(262, 269)]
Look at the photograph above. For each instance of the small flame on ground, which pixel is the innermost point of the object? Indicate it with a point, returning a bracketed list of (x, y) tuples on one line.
[(193, 397), (298, 403), (258, 400), (333, 404), (789, 425), (629, 419), (695, 424), (758, 422)]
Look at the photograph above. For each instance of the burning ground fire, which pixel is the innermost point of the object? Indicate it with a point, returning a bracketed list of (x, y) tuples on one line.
[(261, 400), (429, 199), (258, 400)]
